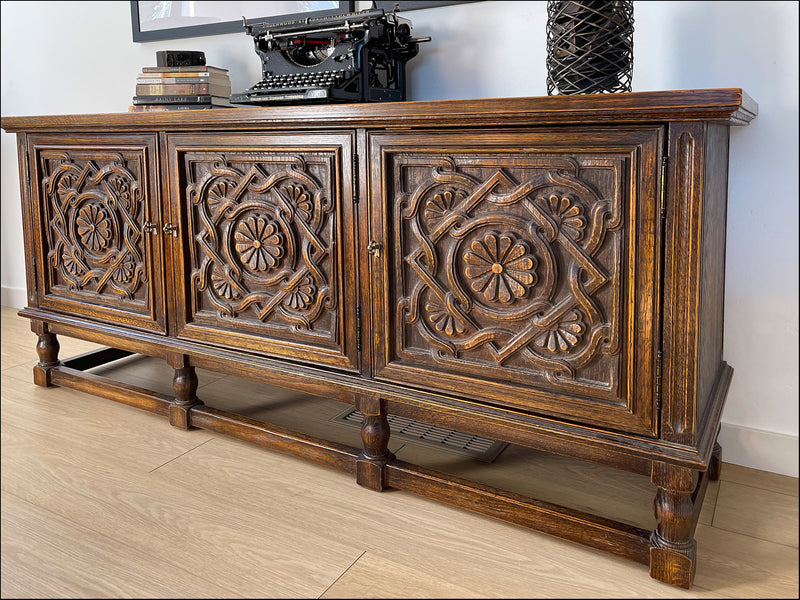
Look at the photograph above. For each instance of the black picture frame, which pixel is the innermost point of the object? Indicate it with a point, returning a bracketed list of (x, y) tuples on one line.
[(174, 33), (404, 6)]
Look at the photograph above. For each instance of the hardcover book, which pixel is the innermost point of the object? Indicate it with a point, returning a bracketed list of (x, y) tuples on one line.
[(180, 89), (172, 107), (183, 99), (159, 78), (187, 69)]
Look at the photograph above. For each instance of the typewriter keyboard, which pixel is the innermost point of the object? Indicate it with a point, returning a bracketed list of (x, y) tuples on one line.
[(300, 80)]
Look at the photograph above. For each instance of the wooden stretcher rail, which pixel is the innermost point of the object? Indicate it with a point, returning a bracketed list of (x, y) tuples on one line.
[(602, 534)]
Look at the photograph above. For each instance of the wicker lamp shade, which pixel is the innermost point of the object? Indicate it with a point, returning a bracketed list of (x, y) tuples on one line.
[(589, 47)]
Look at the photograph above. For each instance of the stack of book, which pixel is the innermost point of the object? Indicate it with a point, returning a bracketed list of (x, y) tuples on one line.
[(181, 88)]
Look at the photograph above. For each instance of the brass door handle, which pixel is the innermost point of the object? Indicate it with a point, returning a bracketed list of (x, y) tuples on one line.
[(171, 229), (149, 227)]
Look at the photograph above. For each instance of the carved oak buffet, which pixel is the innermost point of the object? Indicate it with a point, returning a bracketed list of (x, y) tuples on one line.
[(543, 271)]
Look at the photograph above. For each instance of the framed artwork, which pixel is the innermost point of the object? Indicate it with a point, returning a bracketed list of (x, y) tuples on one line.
[(403, 6), (153, 21)]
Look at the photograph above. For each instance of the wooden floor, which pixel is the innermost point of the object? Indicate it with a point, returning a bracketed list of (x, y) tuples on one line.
[(103, 500)]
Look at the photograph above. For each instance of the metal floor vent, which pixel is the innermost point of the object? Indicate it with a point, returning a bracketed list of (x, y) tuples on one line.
[(475, 446)]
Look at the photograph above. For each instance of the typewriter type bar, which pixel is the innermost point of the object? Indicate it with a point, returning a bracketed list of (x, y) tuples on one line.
[(354, 57)]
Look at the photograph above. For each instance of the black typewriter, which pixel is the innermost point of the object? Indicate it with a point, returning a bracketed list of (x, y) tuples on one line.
[(353, 57)]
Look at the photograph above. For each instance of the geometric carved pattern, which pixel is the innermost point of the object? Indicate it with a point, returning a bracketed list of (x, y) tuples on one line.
[(95, 210), (511, 267), (265, 225)]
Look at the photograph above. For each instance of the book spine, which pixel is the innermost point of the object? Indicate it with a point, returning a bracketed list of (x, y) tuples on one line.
[(178, 89), (169, 80), (183, 99), (167, 75), (162, 77), (168, 107)]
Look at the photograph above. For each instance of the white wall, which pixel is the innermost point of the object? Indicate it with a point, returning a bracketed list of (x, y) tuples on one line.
[(78, 57)]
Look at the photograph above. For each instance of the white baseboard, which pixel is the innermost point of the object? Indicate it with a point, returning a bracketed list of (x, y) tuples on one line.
[(759, 449), (13, 297)]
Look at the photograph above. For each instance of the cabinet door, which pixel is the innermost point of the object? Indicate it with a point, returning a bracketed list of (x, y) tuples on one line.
[(266, 223), (520, 269), (94, 199)]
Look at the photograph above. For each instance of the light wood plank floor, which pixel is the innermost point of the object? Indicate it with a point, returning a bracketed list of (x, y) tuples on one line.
[(101, 500)]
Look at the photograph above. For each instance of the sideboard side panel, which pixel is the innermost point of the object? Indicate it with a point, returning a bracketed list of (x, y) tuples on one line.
[(712, 267), (28, 220), (682, 253)]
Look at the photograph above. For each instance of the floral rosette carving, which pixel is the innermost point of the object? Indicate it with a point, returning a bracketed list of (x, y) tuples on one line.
[(300, 199), (66, 184), (566, 213), (441, 203), (94, 227), (121, 189), (302, 295), (124, 270), (220, 191), (562, 336), (499, 267), (223, 287), (443, 321), (71, 266), (258, 242)]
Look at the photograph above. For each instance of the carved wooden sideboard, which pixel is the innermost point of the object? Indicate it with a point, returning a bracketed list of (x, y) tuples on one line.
[(547, 272)]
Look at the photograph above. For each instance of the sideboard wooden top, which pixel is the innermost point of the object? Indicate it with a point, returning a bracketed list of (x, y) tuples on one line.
[(730, 105)]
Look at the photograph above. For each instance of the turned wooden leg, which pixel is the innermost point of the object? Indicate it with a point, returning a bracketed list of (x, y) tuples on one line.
[(184, 383), (672, 546), (375, 436), (715, 466), (47, 348)]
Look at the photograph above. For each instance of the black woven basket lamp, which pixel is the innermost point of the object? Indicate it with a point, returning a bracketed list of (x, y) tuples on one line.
[(589, 47)]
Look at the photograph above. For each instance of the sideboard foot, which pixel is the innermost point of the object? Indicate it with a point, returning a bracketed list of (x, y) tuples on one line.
[(184, 383), (47, 348), (673, 549), (375, 432)]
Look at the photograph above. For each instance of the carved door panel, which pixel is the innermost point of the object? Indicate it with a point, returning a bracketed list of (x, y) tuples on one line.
[(268, 219), (520, 269), (97, 209)]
